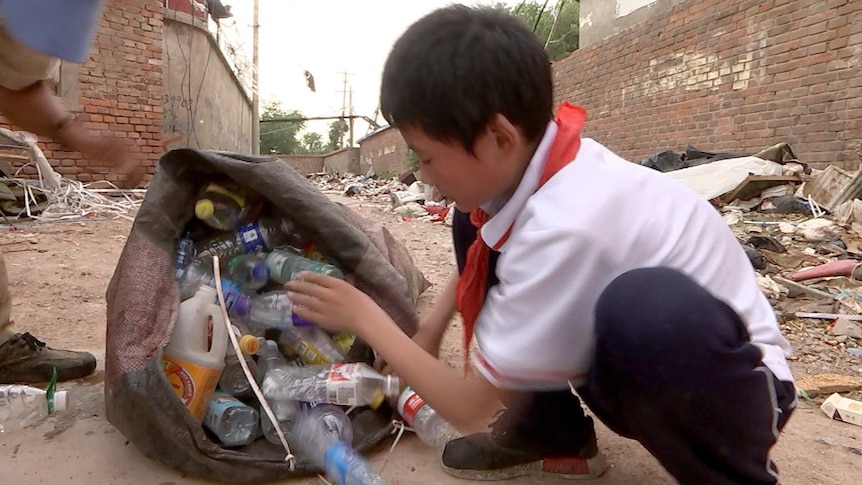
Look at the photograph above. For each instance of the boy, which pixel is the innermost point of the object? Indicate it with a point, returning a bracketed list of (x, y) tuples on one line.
[(608, 277)]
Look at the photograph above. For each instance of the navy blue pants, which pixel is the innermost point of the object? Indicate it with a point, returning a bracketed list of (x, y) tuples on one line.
[(673, 369)]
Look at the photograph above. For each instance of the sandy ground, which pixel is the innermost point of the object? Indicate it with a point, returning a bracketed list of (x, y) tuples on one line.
[(59, 273)]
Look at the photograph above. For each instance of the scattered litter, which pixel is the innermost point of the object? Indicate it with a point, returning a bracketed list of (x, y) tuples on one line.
[(818, 230), (842, 327), (822, 384), (843, 409)]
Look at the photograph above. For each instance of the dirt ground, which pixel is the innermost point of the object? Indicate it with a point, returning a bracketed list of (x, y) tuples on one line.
[(59, 273)]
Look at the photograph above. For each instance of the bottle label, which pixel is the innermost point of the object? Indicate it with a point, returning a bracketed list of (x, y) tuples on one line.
[(311, 252), (409, 404), (251, 238), (232, 293), (192, 383), (344, 342), (339, 458), (309, 353), (218, 245), (185, 254), (341, 386)]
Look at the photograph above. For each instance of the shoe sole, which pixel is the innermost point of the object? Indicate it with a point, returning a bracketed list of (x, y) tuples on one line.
[(558, 468)]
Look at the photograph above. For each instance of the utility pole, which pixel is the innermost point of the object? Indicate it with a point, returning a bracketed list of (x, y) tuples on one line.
[(351, 117), (255, 98), (343, 107)]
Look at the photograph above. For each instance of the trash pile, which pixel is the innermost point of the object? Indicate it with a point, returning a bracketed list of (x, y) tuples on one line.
[(52, 197), (407, 197), (802, 231), (243, 363)]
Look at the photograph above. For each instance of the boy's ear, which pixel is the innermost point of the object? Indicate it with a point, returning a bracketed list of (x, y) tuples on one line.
[(506, 135)]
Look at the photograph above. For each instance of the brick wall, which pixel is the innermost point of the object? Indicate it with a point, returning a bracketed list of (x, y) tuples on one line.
[(118, 90), (726, 75), (342, 161), (383, 151), (304, 164)]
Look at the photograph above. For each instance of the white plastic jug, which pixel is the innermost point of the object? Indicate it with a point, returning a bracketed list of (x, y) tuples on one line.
[(194, 357)]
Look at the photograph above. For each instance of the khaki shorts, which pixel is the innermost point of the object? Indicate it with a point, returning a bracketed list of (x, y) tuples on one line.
[(21, 66)]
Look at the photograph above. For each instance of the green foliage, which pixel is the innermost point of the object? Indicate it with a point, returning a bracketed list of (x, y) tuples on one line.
[(280, 137), (337, 129), (563, 40), (312, 143)]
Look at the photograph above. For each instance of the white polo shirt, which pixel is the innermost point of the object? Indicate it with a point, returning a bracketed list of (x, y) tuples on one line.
[(597, 218)]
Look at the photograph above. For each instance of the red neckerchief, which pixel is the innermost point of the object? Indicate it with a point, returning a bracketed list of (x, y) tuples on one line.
[(473, 280)]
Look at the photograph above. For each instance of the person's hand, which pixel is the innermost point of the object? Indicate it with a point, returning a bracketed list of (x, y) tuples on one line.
[(333, 304), (115, 153)]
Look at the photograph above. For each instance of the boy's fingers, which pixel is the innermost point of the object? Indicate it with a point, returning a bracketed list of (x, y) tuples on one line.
[(305, 288), (303, 300)]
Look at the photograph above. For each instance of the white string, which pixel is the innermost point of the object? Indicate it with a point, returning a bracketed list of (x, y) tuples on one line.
[(242, 362), (398, 427)]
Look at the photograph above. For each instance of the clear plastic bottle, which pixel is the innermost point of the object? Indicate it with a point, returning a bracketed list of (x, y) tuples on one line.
[(233, 380), (185, 254), (286, 410), (271, 309), (262, 235), (429, 426), (312, 344), (320, 437), (232, 421), (249, 271), (353, 384), (23, 406), (199, 274), (285, 265), (223, 205)]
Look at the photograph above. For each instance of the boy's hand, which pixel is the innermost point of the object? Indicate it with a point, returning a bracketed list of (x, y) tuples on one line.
[(333, 304)]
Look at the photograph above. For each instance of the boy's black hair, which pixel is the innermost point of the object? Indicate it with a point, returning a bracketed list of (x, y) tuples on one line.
[(452, 70)]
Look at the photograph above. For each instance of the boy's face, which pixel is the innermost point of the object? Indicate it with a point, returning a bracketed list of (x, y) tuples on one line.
[(493, 169)]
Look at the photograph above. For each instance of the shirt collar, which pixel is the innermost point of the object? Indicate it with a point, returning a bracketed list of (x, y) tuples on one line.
[(504, 213)]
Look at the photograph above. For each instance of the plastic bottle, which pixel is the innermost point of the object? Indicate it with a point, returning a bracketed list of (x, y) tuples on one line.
[(262, 235), (285, 409), (353, 384), (23, 406), (320, 435), (271, 309), (192, 362), (233, 380), (249, 271), (284, 266), (312, 344), (185, 254), (232, 421), (200, 274), (429, 426), (224, 205)]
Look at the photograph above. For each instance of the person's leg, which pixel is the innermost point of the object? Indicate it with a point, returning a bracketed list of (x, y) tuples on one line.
[(26, 359), (675, 370)]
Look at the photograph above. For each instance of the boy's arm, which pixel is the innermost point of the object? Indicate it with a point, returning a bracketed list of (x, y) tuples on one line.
[(433, 326), (336, 305)]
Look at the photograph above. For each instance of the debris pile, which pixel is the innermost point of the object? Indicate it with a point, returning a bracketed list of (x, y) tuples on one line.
[(406, 196), (802, 231)]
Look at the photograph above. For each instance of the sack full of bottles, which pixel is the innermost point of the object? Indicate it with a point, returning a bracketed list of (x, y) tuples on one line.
[(179, 388)]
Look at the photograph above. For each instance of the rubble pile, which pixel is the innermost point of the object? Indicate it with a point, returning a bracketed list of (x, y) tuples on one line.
[(802, 231), (406, 196)]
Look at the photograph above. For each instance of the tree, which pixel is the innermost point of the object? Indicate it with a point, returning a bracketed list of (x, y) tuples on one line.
[(337, 129), (281, 136), (312, 143), (558, 25)]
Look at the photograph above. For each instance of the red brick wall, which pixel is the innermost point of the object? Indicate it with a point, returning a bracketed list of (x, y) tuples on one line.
[(727, 75), (120, 88)]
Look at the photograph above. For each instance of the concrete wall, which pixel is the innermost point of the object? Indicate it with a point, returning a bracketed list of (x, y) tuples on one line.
[(205, 105), (726, 75), (117, 91), (304, 164), (342, 162), (383, 151)]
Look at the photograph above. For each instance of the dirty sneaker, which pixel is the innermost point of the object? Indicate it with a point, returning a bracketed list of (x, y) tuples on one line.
[(26, 359), (551, 436)]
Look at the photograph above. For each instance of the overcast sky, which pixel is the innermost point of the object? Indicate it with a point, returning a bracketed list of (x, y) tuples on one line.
[(328, 37)]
